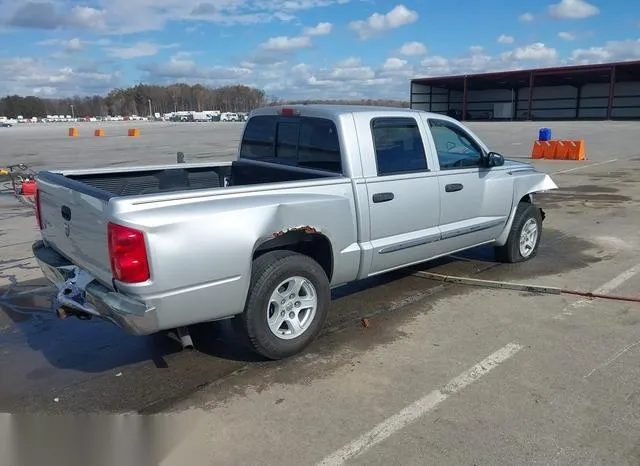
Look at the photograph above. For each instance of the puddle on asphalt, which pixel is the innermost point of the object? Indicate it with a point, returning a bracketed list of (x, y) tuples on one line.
[(333, 351), (95, 349), (591, 195), (591, 188)]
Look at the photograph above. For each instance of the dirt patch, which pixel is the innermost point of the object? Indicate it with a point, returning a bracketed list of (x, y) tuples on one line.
[(591, 188), (584, 195), (558, 253)]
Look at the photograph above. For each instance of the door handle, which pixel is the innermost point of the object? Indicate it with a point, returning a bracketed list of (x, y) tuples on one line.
[(382, 197), (451, 188)]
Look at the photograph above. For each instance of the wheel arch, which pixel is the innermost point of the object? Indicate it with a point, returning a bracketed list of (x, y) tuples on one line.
[(305, 240), (528, 198)]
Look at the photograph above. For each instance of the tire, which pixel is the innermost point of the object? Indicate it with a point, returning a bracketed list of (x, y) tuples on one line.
[(299, 324), (527, 221)]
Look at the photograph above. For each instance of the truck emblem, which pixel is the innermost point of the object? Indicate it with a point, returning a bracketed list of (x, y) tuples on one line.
[(66, 229)]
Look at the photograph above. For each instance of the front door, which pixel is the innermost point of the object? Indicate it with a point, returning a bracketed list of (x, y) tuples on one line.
[(475, 201), (403, 196)]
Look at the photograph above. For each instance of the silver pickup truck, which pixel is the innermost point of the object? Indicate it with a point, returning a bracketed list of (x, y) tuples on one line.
[(318, 196)]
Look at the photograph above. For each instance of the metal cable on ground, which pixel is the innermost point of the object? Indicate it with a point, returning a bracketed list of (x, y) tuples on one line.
[(520, 286)]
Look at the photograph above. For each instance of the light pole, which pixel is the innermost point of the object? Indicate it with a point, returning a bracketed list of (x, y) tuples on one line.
[(150, 110), (73, 114)]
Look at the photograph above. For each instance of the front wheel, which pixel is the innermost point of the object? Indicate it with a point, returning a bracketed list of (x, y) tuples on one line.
[(524, 237), (289, 298)]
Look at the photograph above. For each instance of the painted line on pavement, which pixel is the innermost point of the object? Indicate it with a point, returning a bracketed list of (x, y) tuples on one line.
[(613, 359), (604, 289), (582, 167), (419, 408)]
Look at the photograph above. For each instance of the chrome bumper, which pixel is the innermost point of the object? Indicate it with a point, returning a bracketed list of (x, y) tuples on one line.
[(80, 292)]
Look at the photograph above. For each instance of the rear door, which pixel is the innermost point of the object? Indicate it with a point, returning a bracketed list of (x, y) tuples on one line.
[(403, 195), (75, 223), (475, 201)]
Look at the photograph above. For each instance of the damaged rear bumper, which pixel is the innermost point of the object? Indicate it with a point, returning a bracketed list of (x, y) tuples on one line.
[(80, 294)]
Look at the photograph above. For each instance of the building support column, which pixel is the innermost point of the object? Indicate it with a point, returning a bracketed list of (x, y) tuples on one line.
[(578, 100), (612, 89), (464, 99), (529, 115)]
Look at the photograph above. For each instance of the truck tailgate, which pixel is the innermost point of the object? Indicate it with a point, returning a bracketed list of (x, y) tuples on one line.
[(75, 224)]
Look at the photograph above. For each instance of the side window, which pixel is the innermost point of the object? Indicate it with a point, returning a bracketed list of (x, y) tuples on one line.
[(398, 145), (319, 146), (455, 148), (258, 138)]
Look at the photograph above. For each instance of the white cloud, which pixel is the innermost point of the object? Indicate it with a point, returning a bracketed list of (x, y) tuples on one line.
[(394, 64), (286, 43), (30, 76), (134, 16), (478, 61), (351, 62), (321, 29), (280, 74), (87, 18), (566, 36), (413, 48), (181, 67), (74, 45), (45, 14), (573, 9), (137, 50), (69, 46), (612, 51), (377, 23), (536, 52), (526, 17), (504, 39)]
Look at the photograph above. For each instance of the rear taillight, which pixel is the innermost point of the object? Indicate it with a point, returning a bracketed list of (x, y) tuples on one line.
[(38, 208), (128, 254)]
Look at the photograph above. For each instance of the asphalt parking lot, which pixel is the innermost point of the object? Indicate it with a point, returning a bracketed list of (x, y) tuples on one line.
[(442, 373)]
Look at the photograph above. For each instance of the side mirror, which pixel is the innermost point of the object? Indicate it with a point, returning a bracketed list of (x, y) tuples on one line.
[(494, 159)]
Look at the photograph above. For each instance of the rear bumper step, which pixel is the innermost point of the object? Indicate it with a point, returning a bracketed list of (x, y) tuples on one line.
[(80, 294)]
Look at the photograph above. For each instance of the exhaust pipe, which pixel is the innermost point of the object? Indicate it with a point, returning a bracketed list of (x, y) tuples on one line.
[(182, 336)]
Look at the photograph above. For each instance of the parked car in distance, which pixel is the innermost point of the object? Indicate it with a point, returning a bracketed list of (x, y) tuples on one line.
[(317, 197)]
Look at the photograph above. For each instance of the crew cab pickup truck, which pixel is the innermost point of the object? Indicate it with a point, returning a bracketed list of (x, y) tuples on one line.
[(318, 196)]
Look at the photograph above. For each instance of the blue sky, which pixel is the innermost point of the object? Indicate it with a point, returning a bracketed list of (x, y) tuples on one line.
[(298, 48)]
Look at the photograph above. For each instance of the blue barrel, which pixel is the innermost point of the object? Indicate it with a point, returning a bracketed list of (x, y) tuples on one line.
[(544, 134)]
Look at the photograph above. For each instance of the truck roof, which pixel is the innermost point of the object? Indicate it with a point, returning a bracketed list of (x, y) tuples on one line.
[(335, 110)]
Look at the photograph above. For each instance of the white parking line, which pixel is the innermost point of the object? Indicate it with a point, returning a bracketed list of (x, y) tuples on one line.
[(419, 408), (582, 167), (613, 359), (604, 289)]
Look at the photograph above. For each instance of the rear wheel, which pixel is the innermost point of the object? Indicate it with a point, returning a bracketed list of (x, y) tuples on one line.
[(289, 298), (524, 237)]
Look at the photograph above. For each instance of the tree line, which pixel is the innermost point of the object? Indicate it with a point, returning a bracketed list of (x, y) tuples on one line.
[(142, 99)]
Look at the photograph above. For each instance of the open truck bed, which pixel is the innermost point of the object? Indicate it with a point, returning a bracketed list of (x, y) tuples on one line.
[(138, 181)]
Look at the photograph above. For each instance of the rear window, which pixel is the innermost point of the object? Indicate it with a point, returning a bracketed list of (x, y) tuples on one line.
[(305, 142)]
